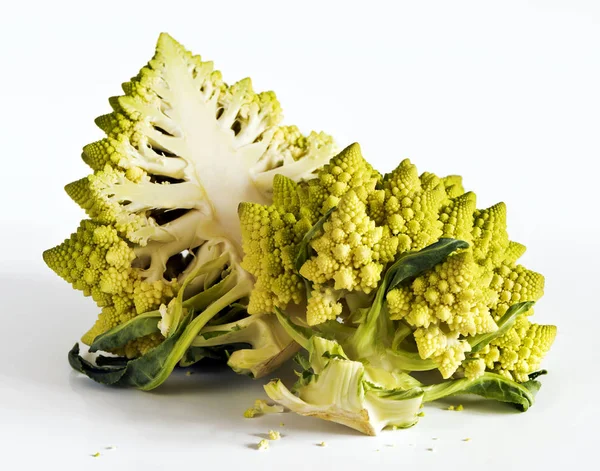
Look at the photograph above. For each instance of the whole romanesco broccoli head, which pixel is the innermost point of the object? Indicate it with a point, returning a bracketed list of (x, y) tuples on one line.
[(339, 243)]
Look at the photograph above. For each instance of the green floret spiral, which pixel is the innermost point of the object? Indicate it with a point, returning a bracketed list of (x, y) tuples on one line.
[(374, 220)]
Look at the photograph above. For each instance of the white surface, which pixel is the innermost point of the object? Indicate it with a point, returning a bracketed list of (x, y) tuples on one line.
[(506, 95)]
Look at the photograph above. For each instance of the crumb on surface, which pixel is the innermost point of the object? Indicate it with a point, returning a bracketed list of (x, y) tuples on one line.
[(261, 407), (459, 407), (189, 373), (111, 447), (322, 444), (96, 455), (430, 449), (263, 445), (274, 435), (421, 414), (450, 407), (282, 424), (468, 439)]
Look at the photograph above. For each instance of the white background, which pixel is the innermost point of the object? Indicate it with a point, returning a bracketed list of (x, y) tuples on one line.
[(505, 93)]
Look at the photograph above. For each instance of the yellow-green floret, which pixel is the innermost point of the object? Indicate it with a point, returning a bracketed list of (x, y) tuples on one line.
[(520, 351), (468, 293), (271, 235)]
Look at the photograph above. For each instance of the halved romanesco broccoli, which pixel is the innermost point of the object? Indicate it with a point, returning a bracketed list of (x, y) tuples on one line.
[(182, 150)]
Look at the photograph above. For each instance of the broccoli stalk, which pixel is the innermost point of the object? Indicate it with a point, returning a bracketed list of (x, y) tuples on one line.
[(343, 391), (270, 345)]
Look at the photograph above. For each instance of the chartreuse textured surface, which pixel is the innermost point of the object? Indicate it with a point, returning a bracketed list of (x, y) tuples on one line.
[(376, 219), (327, 252), (182, 148)]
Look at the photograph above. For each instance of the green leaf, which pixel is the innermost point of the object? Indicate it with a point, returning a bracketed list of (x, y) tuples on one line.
[(138, 372), (229, 316), (380, 378), (412, 264), (195, 354), (535, 374), (100, 374), (533, 387), (304, 249), (304, 378), (359, 315), (153, 368), (490, 386), (374, 331), (395, 394), (102, 360), (203, 299), (301, 335), (479, 341), (213, 333), (302, 361), (118, 336), (334, 330), (143, 372), (330, 356), (402, 331), (407, 361)]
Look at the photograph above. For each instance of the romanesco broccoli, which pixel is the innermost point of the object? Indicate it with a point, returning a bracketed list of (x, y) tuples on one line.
[(214, 232), (383, 277), (182, 149)]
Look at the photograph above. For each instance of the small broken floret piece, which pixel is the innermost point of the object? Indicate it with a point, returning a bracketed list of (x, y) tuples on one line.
[(344, 391), (263, 445), (261, 407)]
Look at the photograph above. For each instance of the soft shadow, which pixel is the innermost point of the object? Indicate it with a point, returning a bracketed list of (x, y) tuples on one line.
[(474, 404), (200, 382), (314, 426), (44, 317)]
